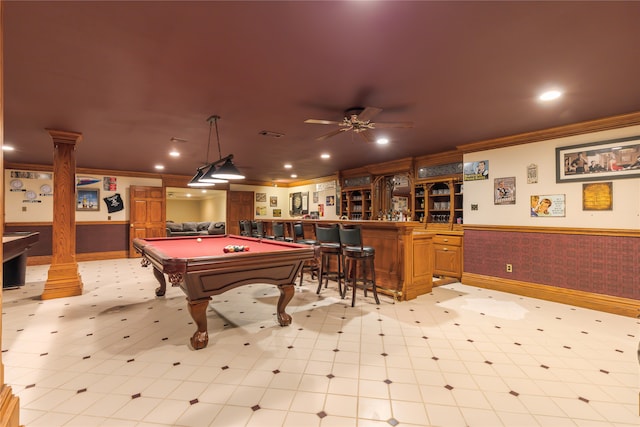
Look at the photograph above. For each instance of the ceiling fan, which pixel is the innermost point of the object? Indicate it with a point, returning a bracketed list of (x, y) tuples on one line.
[(358, 120)]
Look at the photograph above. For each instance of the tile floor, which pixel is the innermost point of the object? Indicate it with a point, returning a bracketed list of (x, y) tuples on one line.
[(460, 356)]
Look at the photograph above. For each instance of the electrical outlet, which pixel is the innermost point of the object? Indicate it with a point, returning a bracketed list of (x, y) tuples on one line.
[(509, 268)]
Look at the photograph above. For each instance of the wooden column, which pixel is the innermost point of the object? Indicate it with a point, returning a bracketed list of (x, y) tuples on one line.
[(63, 279), (9, 403)]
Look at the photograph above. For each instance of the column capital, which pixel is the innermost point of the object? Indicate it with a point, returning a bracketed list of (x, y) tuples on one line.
[(64, 137)]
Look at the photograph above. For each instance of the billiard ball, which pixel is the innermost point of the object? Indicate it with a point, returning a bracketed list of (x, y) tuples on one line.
[(199, 239)]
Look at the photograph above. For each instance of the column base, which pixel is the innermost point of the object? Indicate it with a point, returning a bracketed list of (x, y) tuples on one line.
[(63, 281), (9, 408)]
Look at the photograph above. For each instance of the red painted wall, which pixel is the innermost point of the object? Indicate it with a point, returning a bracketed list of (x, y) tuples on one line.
[(600, 264)]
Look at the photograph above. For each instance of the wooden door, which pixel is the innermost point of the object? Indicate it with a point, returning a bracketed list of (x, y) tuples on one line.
[(239, 206), (146, 214)]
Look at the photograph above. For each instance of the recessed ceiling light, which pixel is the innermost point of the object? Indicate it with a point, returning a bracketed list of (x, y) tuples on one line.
[(188, 194), (159, 167), (382, 141), (7, 148), (550, 95), (287, 166), (293, 175), (204, 191), (325, 156), (174, 153)]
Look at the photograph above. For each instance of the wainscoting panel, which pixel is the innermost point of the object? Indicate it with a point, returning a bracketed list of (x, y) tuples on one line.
[(596, 263)]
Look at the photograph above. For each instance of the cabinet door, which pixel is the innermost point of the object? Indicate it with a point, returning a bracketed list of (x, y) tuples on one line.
[(447, 261)]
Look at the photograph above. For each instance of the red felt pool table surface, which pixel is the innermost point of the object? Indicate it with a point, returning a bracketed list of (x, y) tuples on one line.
[(201, 268), (213, 246)]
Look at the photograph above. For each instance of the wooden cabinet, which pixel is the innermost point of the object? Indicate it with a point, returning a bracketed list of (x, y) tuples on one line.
[(447, 255), (356, 204), (438, 203)]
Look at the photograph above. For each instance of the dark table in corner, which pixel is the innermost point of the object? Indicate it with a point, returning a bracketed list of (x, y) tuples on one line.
[(14, 257)]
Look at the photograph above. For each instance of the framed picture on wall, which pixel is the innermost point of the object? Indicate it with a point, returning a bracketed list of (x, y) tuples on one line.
[(273, 201), (612, 159), (87, 199)]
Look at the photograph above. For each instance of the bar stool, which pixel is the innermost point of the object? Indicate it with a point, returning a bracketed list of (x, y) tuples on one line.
[(310, 266), (245, 227), (298, 235), (328, 238), (277, 230), (354, 255), (257, 229)]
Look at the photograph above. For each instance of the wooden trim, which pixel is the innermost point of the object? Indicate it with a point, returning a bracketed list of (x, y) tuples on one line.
[(556, 230), (598, 125), (99, 256), (48, 223), (38, 260), (444, 158), (92, 256), (404, 165), (593, 301)]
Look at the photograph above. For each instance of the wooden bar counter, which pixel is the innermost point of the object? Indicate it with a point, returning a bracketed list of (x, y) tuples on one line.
[(404, 260)]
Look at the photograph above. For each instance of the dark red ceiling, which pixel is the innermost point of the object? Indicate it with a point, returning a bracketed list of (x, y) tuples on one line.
[(131, 75)]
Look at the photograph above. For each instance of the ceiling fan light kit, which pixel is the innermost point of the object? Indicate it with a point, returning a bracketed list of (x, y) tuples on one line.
[(210, 173)]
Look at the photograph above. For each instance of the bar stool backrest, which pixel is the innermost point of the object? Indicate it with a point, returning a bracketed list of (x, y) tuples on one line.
[(258, 231), (278, 230), (350, 237), (298, 231), (245, 227), (327, 234)]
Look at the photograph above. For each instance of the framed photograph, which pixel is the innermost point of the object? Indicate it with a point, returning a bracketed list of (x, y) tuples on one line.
[(612, 159), (261, 197), (331, 200), (547, 205), (277, 213), (273, 201), (504, 190), (87, 199), (597, 196)]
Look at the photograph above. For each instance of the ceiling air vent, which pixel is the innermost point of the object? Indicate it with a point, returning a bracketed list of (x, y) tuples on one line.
[(271, 133)]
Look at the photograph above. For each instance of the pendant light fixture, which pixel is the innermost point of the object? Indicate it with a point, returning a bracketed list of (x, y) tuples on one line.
[(209, 174)]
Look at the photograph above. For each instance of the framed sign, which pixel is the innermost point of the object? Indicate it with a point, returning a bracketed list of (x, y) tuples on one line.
[(87, 199), (547, 205), (597, 196), (504, 190), (612, 159)]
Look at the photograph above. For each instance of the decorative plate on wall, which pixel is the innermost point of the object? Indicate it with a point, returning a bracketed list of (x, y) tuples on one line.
[(16, 184)]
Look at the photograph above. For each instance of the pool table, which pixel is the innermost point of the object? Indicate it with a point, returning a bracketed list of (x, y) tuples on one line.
[(14, 256), (200, 266)]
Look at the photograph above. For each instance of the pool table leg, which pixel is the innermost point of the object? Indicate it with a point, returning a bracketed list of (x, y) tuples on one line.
[(198, 311), (286, 293), (162, 289)]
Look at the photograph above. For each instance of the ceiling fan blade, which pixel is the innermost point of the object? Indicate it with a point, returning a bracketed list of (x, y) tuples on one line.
[(366, 135), (368, 113), (393, 125), (330, 134), (322, 122)]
